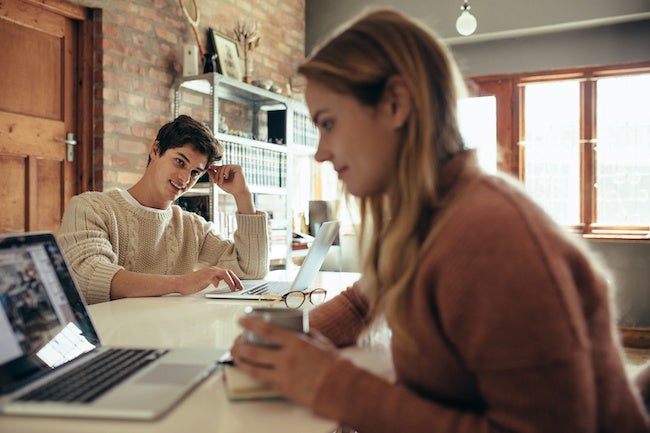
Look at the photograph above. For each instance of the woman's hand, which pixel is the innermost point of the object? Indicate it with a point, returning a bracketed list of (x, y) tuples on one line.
[(296, 368)]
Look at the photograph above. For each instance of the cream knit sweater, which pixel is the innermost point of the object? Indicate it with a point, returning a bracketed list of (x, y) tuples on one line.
[(103, 232)]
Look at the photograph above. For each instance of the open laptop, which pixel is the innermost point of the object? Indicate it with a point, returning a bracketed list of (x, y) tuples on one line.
[(314, 259), (47, 337)]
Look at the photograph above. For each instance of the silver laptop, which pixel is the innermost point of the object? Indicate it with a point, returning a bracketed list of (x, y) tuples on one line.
[(51, 359), (254, 289)]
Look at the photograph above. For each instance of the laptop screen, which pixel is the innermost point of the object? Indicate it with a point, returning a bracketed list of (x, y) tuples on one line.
[(43, 319)]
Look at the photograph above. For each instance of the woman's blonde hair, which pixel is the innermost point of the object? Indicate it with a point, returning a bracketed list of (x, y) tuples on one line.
[(358, 61)]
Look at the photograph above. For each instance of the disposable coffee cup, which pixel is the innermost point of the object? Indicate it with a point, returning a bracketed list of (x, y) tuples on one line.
[(294, 320)]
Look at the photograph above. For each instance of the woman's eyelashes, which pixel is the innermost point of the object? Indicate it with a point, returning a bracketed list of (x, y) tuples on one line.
[(326, 124)]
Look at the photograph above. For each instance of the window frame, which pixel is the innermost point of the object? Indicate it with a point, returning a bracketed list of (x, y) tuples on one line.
[(509, 92)]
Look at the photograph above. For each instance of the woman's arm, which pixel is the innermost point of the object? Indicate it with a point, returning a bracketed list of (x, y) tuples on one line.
[(342, 318)]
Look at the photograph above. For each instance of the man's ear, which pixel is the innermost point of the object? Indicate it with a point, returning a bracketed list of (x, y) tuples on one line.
[(154, 151), (398, 100)]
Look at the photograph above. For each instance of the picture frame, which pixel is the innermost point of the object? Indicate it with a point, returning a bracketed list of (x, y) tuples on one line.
[(227, 56)]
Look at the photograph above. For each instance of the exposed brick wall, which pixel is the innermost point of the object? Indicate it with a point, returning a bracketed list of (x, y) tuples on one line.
[(138, 54)]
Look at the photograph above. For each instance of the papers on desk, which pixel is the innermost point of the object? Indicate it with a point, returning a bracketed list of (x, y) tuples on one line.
[(240, 386)]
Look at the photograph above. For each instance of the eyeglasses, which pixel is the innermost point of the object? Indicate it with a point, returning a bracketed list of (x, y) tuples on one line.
[(297, 298)]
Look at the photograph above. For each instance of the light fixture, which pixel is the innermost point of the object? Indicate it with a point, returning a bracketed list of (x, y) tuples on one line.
[(466, 22)]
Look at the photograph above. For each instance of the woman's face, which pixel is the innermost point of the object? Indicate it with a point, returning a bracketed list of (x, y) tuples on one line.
[(360, 141)]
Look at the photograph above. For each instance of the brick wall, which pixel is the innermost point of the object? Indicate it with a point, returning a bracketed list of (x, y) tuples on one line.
[(138, 54)]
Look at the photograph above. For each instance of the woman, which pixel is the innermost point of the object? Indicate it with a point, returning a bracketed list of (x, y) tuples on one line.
[(499, 320)]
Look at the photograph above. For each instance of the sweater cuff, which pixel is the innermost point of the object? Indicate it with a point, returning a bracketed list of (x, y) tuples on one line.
[(251, 223), (99, 283)]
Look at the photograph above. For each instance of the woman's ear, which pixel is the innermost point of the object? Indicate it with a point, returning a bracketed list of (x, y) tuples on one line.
[(397, 98)]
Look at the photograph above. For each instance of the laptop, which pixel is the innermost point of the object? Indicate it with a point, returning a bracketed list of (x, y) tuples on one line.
[(49, 348), (312, 263)]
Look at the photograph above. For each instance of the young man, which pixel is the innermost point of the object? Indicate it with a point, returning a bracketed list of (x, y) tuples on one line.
[(138, 243)]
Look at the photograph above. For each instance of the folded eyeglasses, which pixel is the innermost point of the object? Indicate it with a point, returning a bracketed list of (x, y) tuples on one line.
[(297, 299)]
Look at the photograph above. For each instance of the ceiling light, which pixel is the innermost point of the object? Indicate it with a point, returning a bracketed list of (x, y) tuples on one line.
[(466, 22)]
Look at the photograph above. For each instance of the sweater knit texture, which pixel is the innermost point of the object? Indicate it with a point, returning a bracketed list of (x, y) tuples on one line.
[(103, 232), (513, 326)]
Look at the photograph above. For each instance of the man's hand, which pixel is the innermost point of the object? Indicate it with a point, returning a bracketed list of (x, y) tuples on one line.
[(126, 284), (230, 178), (199, 280)]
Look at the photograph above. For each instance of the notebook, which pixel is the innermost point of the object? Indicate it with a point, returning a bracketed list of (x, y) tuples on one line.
[(314, 259), (49, 347)]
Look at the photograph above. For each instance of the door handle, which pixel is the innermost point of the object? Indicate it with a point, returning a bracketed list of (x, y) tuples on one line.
[(70, 143)]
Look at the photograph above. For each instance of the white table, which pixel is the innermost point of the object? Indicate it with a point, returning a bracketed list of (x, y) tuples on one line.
[(191, 321)]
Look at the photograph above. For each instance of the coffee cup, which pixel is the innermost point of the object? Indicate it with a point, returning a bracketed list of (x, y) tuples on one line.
[(294, 320)]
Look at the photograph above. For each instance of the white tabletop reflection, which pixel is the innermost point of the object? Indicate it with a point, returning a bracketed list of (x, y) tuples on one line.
[(189, 321)]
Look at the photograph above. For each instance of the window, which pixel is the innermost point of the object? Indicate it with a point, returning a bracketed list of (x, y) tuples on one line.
[(623, 151), (477, 120), (552, 158), (580, 142)]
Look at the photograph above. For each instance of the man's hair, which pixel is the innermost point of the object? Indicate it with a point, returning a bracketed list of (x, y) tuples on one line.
[(185, 130)]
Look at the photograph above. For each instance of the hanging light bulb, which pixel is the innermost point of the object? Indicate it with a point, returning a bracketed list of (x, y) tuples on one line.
[(466, 22)]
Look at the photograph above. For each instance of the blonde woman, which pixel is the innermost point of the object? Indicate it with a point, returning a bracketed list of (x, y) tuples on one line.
[(500, 321)]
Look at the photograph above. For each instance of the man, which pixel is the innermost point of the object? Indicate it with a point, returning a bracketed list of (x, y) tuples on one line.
[(138, 243)]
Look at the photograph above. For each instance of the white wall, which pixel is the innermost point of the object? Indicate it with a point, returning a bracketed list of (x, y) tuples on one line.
[(515, 35)]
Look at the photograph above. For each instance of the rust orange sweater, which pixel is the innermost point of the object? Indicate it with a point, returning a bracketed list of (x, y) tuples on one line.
[(513, 325)]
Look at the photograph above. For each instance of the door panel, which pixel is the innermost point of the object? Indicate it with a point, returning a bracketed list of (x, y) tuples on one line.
[(32, 85), (38, 51), (13, 197)]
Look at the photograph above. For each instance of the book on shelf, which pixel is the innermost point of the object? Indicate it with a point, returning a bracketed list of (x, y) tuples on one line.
[(241, 386), (264, 168), (301, 241)]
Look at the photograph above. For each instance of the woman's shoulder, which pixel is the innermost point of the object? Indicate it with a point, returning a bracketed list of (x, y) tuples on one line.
[(500, 200)]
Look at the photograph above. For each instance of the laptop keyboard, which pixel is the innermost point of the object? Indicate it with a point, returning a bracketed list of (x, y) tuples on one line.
[(269, 287), (90, 380)]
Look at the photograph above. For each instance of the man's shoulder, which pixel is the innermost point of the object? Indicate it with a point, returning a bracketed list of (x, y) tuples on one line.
[(97, 199), (98, 195)]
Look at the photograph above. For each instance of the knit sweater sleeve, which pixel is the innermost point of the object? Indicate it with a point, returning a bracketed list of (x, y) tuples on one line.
[(247, 255), (84, 235), (342, 318)]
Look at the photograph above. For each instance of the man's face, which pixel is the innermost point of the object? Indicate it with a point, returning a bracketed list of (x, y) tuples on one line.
[(175, 171)]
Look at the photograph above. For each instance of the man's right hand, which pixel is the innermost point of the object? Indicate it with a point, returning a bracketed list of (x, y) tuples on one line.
[(199, 280)]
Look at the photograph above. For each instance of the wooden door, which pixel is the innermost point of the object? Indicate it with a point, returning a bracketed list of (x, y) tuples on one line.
[(38, 95)]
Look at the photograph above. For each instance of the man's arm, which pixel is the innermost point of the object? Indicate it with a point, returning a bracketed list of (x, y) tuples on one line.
[(133, 284)]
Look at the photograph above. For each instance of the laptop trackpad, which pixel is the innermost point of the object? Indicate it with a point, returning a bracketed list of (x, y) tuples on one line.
[(173, 374)]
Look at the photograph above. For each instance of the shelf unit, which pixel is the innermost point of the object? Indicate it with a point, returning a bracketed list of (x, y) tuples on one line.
[(270, 135)]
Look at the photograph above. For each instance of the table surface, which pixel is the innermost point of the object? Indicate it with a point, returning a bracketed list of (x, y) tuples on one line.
[(189, 321)]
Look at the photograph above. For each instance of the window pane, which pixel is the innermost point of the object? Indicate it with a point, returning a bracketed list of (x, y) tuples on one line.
[(477, 119), (552, 119), (623, 152)]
